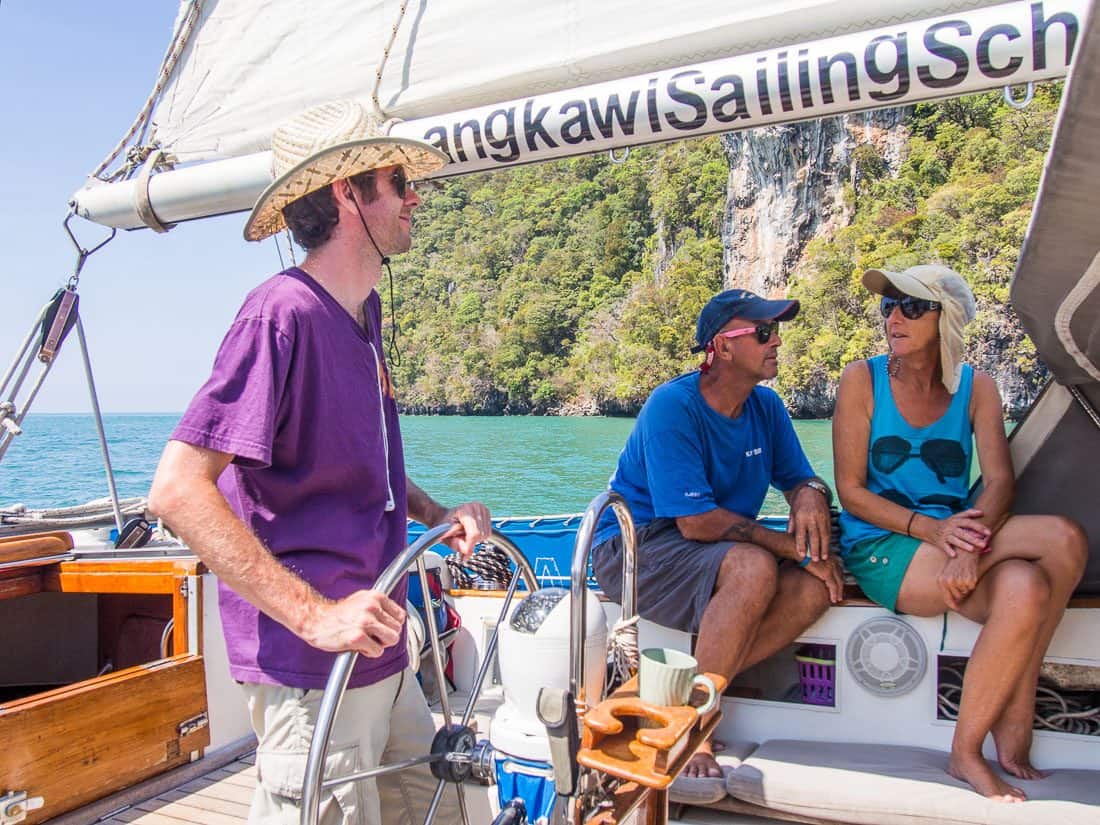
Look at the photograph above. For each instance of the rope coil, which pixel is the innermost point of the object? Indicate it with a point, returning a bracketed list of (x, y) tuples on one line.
[(487, 568), (1053, 710)]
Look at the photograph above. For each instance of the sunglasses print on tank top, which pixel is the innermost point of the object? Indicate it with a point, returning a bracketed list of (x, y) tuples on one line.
[(944, 457)]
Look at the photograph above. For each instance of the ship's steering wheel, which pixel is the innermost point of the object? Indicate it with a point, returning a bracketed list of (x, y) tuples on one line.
[(456, 754)]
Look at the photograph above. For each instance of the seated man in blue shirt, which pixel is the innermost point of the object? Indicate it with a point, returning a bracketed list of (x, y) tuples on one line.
[(694, 473)]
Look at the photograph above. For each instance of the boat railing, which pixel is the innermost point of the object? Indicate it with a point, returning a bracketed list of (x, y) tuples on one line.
[(582, 550)]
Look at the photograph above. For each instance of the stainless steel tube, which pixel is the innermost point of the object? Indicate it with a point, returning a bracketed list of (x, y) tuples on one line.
[(338, 681), (579, 575)]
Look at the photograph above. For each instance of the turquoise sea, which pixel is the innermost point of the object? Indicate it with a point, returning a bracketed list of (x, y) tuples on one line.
[(517, 465)]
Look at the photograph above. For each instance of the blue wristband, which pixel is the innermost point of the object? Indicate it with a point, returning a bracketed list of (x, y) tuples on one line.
[(805, 561)]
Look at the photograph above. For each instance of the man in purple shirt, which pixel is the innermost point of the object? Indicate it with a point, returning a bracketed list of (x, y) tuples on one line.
[(286, 476)]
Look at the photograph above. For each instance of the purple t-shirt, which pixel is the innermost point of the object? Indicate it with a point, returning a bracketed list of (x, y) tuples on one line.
[(300, 396)]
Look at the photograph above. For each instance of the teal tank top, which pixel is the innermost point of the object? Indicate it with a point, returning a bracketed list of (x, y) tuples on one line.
[(926, 469)]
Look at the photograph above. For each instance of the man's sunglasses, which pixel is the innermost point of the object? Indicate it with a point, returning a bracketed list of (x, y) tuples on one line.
[(912, 308), (763, 331), (401, 183)]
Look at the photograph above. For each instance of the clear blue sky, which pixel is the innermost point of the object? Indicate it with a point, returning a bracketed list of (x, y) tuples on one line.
[(74, 74)]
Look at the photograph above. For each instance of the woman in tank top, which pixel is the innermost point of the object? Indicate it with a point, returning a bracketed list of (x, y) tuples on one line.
[(904, 429)]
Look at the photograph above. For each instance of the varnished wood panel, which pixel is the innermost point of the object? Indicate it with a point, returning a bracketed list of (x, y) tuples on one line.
[(84, 741), (16, 583), (185, 565)]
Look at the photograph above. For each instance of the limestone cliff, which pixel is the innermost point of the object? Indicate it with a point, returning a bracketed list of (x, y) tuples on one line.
[(790, 184), (787, 185)]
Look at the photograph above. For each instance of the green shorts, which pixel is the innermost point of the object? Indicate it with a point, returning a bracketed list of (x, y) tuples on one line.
[(879, 566)]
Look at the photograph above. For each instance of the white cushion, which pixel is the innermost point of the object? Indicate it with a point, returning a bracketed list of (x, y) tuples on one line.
[(888, 785)]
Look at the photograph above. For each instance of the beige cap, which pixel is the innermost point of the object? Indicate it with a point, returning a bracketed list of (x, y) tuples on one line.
[(328, 143), (934, 282)]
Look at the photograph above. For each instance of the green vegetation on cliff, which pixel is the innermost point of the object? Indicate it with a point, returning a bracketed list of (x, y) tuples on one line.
[(962, 197), (574, 285)]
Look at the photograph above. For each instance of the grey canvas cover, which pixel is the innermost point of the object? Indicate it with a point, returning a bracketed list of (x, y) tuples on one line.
[(1056, 293)]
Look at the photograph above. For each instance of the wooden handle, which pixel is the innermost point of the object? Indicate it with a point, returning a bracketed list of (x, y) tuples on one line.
[(22, 548)]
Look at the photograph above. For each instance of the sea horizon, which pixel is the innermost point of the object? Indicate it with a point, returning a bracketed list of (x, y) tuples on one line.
[(516, 464)]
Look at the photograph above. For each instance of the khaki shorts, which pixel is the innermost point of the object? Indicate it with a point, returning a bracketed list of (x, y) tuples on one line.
[(376, 725)]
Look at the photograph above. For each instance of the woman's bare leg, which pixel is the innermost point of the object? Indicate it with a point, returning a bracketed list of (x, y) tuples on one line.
[(1010, 600), (1059, 548)]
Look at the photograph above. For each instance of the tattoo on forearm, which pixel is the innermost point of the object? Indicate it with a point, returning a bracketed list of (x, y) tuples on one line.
[(741, 530)]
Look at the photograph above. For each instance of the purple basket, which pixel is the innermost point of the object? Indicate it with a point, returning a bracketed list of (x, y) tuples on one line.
[(817, 674)]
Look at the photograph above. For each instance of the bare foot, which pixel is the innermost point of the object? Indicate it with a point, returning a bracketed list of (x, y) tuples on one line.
[(975, 771), (1020, 768), (703, 764), (1013, 751)]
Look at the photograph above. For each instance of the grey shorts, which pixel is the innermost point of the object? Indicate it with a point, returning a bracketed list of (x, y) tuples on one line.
[(675, 575)]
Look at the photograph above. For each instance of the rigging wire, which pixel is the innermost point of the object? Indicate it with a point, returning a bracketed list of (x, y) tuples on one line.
[(382, 62), (179, 40)]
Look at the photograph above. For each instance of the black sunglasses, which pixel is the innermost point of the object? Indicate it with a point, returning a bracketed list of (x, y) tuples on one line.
[(401, 182), (764, 331), (942, 456), (912, 308)]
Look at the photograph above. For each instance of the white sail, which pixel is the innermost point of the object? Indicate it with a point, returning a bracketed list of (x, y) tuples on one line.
[(254, 64), (557, 78)]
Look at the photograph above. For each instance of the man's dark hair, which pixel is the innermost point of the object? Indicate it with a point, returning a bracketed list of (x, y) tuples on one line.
[(312, 217)]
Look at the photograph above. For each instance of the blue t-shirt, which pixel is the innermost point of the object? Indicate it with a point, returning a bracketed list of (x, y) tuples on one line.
[(684, 458)]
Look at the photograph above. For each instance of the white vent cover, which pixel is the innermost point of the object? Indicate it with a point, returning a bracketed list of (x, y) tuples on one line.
[(886, 656)]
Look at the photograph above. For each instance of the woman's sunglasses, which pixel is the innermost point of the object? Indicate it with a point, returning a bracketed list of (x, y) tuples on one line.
[(763, 331), (912, 308)]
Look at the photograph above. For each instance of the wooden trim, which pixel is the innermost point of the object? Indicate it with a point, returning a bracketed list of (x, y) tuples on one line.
[(22, 583), (491, 594), (187, 565), (72, 581)]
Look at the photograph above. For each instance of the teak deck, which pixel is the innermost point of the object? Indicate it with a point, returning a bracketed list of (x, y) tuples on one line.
[(220, 797)]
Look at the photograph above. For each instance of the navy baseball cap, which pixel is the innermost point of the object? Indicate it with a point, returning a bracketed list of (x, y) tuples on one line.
[(738, 303)]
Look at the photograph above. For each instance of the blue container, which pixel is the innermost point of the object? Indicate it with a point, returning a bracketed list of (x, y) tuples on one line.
[(531, 780)]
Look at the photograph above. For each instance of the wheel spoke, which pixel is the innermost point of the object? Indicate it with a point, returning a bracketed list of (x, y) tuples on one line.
[(462, 804), (430, 817), (379, 771), (490, 650), (437, 645)]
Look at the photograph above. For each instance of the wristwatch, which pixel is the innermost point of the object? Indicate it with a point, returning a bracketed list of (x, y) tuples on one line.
[(821, 487)]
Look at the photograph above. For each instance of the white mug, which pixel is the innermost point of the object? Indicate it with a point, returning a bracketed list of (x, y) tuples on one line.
[(667, 677)]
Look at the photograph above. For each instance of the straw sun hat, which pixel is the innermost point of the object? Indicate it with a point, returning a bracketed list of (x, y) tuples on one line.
[(945, 286), (328, 143)]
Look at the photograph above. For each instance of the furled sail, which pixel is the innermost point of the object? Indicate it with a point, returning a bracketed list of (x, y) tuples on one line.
[(494, 85)]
